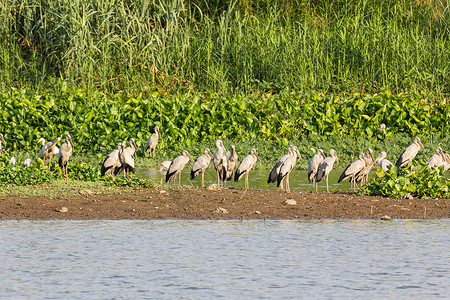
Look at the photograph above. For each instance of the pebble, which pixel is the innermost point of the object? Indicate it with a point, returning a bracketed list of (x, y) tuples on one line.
[(290, 202), (213, 187), (386, 218), (220, 210), (63, 209)]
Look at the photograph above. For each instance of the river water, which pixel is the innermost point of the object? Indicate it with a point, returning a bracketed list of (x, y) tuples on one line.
[(324, 259)]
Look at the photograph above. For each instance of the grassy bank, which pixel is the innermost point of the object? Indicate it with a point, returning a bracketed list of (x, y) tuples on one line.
[(364, 46)]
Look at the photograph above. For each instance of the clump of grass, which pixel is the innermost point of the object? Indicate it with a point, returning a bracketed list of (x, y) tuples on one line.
[(227, 45)]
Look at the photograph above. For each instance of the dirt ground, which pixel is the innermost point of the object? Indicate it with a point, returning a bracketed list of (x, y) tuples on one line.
[(201, 204)]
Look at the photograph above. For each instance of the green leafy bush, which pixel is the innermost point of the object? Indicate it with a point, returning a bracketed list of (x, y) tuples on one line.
[(19, 174), (417, 180), (97, 121)]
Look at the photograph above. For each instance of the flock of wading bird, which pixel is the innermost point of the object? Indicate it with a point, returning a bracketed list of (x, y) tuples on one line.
[(225, 162)]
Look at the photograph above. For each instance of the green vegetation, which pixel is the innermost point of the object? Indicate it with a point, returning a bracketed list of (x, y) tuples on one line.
[(16, 172), (227, 46), (98, 121), (260, 74), (416, 180)]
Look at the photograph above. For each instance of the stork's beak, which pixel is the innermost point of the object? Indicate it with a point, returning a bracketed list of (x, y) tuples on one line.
[(190, 157), (378, 158), (421, 146), (299, 155)]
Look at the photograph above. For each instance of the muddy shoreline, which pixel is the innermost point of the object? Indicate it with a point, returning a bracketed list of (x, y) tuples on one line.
[(202, 204)]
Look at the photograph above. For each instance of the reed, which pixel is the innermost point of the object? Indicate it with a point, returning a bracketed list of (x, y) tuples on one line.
[(225, 46)]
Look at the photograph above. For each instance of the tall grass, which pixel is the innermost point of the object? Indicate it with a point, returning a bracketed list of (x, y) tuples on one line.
[(331, 46)]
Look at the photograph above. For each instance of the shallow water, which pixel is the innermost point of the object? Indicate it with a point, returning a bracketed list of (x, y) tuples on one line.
[(352, 259), (257, 179)]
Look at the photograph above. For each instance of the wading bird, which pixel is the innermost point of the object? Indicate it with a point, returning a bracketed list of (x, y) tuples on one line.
[(48, 151), (177, 166), (65, 153), (132, 149), (273, 175), (446, 161), (152, 141), (164, 165), (45, 145), (383, 162), (220, 162), (232, 158), (353, 169), (362, 176), (126, 159), (437, 159), (245, 166), (112, 161), (201, 164), (2, 141), (408, 155), (326, 166), (287, 166), (313, 166)]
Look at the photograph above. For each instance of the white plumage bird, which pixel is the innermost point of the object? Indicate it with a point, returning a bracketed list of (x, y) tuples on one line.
[(65, 153), (201, 164), (165, 165), (177, 166), (220, 162), (45, 145), (353, 169), (245, 166), (287, 166), (112, 161), (152, 142), (48, 150), (326, 166), (383, 162), (313, 166), (363, 176), (437, 159), (126, 158), (408, 155), (273, 175)]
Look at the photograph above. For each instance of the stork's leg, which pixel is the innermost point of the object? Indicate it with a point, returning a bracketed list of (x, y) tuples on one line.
[(281, 185), (288, 187), (246, 180), (179, 179), (203, 178), (326, 179), (49, 163), (218, 178)]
